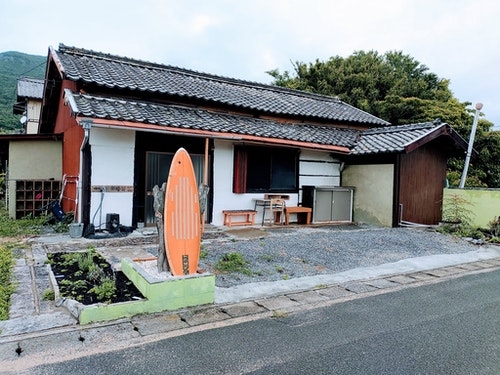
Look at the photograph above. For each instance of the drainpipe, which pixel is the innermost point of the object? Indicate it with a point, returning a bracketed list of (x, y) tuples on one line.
[(86, 124), (471, 142)]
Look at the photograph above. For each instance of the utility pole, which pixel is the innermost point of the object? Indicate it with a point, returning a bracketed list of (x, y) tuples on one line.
[(471, 143)]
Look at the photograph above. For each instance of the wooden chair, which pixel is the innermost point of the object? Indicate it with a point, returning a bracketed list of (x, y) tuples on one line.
[(276, 211)]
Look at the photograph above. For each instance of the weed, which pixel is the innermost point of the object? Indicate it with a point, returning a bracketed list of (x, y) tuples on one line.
[(267, 257), (232, 262), (48, 295), (279, 269), (286, 277), (278, 314), (203, 254), (29, 225)]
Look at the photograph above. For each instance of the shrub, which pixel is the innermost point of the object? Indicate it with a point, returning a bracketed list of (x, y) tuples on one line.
[(456, 211)]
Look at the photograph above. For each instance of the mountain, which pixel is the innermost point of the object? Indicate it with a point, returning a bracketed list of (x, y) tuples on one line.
[(14, 65)]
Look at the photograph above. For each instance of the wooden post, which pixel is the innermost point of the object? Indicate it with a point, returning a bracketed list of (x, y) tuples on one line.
[(205, 182), (158, 205)]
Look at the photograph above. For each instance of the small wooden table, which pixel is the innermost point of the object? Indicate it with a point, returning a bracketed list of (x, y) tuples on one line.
[(298, 210)]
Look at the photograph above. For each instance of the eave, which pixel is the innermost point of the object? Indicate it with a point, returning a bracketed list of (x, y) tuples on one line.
[(118, 124)]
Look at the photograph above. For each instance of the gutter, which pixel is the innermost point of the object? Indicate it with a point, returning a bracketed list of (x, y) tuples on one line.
[(86, 124)]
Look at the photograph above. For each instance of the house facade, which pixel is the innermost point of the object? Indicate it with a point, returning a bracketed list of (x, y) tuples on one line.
[(31, 161), (29, 103), (123, 119)]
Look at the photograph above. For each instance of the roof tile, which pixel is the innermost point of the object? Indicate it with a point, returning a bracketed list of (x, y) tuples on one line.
[(30, 88), (123, 73), (390, 139), (185, 117)]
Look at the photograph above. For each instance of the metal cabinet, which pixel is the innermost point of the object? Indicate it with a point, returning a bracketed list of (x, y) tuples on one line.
[(329, 203)]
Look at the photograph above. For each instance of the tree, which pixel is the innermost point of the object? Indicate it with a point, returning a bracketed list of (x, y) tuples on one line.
[(401, 90)]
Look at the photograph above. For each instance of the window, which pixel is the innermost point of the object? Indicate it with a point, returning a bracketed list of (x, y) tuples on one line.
[(262, 169)]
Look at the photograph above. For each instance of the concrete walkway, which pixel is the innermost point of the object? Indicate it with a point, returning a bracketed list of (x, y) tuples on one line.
[(36, 323)]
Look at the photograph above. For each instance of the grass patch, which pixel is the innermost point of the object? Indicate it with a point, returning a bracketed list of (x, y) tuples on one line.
[(232, 262), (29, 225), (7, 287)]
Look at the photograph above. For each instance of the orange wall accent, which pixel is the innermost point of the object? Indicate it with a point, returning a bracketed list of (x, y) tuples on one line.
[(73, 138)]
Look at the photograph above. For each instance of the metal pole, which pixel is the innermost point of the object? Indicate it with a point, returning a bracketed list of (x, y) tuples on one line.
[(471, 143)]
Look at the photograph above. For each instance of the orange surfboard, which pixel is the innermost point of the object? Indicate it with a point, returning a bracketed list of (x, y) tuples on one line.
[(182, 227)]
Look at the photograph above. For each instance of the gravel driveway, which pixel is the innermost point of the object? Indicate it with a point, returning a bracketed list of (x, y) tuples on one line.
[(285, 253)]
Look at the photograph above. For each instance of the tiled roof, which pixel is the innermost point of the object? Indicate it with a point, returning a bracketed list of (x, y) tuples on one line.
[(175, 116), (392, 139), (30, 88), (126, 74)]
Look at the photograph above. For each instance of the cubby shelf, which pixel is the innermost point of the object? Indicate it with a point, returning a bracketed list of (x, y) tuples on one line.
[(33, 196)]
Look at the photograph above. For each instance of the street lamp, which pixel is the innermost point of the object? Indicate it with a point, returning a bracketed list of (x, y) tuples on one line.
[(471, 143)]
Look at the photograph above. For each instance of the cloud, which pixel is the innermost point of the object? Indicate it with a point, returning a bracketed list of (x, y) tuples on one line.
[(245, 38), (200, 23)]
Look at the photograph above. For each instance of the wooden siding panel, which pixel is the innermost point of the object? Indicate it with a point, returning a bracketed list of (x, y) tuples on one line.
[(423, 174)]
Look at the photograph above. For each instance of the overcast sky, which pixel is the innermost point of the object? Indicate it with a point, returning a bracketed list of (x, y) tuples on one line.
[(456, 39)]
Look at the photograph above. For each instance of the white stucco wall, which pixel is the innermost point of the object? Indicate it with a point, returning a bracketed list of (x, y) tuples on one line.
[(315, 168), (33, 116), (318, 169), (112, 170)]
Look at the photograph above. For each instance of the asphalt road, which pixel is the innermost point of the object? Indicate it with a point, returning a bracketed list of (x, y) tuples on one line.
[(451, 327)]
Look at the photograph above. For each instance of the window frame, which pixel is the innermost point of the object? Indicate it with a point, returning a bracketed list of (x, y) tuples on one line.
[(242, 162)]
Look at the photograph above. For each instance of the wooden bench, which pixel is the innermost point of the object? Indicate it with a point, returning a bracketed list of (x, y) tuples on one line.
[(249, 216), (298, 210)]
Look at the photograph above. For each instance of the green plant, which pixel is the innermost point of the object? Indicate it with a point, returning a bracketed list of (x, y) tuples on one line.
[(91, 276), (48, 295), (267, 257), (105, 290), (232, 262), (203, 254), (71, 288), (456, 211), (494, 226), (26, 226), (7, 287)]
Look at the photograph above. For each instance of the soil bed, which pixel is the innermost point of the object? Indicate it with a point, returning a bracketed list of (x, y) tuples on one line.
[(90, 287)]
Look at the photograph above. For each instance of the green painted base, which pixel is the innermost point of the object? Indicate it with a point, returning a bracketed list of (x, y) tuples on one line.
[(161, 295)]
